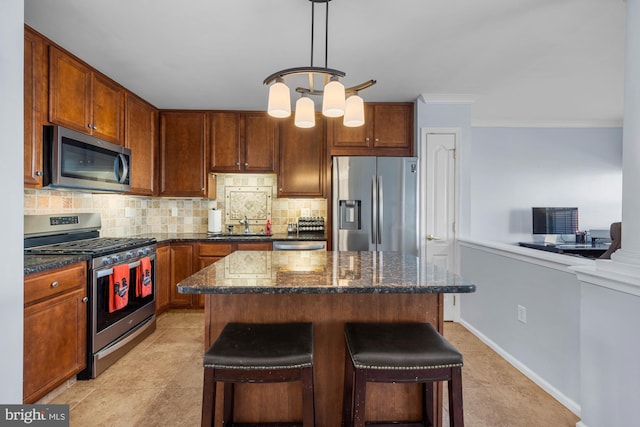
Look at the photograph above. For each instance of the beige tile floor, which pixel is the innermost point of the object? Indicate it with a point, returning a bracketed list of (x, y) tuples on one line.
[(159, 383)]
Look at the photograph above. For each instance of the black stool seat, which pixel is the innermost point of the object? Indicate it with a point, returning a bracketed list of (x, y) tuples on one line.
[(262, 346), (258, 353), (399, 346), (400, 352)]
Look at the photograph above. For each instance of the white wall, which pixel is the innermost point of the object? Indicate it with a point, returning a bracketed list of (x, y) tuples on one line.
[(547, 347), (514, 169), (11, 173)]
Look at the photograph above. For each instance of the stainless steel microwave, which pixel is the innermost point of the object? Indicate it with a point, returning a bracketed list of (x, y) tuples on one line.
[(75, 160)]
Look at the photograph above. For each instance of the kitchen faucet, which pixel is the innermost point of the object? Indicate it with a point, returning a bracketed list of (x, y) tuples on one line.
[(245, 221)]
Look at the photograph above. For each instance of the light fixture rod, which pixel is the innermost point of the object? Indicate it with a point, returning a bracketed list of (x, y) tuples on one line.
[(326, 37), (313, 8)]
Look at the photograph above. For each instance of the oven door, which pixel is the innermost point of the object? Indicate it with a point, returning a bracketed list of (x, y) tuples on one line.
[(107, 326)]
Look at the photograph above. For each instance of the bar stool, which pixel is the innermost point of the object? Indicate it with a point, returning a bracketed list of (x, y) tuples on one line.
[(399, 353), (260, 353)]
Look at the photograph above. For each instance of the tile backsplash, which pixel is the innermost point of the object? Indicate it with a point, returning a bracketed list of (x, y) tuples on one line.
[(124, 215)]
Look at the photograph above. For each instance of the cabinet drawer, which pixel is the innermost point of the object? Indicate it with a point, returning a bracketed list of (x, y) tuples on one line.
[(214, 249), (50, 283)]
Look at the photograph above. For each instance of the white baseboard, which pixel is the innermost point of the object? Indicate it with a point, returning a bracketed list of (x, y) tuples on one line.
[(555, 393), (581, 424)]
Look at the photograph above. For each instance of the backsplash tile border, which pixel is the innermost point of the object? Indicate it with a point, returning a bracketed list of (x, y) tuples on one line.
[(125, 215)]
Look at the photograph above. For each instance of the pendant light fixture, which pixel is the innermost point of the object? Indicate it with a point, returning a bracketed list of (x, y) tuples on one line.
[(333, 94)]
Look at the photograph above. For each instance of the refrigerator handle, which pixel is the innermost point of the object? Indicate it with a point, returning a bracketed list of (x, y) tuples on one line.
[(374, 211), (380, 210)]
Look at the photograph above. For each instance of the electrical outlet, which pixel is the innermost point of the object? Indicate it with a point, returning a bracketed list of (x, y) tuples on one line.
[(128, 212), (522, 314), (174, 211), (306, 212)]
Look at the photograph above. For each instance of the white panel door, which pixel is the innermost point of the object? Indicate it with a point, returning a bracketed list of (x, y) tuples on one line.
[(439, 207)]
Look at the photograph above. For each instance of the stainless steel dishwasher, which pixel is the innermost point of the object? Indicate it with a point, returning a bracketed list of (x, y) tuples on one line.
[(300, 245)]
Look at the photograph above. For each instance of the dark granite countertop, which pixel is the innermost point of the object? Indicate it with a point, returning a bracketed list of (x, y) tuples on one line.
[(321, 272), (38, 263), (238, 237)]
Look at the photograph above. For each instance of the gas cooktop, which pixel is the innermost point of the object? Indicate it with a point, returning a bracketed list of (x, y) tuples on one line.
[(95, 247)]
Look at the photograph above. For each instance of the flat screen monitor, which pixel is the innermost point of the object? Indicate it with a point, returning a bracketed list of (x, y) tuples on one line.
[(555, 220)]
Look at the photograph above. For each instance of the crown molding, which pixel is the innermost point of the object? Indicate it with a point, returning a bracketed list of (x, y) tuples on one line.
[(547, 123), (449, 98)]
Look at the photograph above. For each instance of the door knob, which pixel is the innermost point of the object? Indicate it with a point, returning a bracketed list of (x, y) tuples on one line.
[(432, 237)]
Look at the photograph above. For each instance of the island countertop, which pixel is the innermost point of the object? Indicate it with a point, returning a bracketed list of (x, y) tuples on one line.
[(322, 272)]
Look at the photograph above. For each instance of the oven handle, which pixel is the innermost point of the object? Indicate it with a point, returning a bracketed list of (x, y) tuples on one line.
[(109, 271)]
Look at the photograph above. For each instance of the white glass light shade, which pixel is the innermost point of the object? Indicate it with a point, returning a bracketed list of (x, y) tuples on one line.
[(305, 113), (353, 111), (333, 99), (279, 100)]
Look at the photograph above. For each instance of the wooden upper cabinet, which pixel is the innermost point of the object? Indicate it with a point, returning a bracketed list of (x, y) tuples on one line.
[(182, 154), (141, 137), (260, 142), (83, 99), (35, 105), (224, 141), (388, 131), (302, 162), (108, 109), (242, 142)]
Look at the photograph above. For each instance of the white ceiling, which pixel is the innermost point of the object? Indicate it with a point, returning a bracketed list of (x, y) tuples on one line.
[(521, 61)]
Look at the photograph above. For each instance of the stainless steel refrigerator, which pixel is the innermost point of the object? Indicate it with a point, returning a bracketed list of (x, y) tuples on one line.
[(374, 204)]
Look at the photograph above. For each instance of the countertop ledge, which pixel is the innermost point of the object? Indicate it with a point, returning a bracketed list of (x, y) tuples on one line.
[(213, 238), (321, 272), (39, 263)]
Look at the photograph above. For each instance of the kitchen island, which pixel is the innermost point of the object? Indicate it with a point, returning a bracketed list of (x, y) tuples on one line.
[(328, 289)]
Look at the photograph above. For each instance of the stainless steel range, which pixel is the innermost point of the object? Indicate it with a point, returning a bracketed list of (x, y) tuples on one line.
[(113, 329)]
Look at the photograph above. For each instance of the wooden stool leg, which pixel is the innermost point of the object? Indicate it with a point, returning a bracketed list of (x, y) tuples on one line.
[(359, 399), (427, 409), (347, 395), (227, 414), (455, 398), (308, 404), (208, 398)]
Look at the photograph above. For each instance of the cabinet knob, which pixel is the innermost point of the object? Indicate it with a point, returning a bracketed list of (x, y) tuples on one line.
[(54, 284), (246, 164), (202, 189), (89, 125), (39, 173), (367, 139), (280, 188), (237, 163), (85, 299), (95, 127), (377, 139)]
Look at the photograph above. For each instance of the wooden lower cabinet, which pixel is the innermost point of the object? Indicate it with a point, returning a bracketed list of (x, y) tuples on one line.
[(55, 329), (254, 246), (163, 278), (179, 260)]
